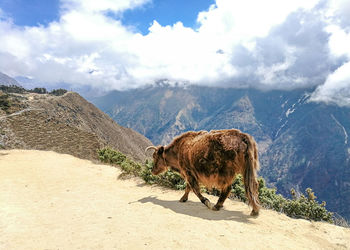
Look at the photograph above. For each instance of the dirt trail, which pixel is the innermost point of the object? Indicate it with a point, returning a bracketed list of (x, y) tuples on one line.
[(19, 112), (54, 201)]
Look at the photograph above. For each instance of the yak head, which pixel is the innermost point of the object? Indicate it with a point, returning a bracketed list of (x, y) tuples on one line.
[(159, 162)]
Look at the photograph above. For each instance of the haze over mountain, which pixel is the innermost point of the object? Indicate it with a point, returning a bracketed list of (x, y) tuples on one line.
[(301, 143)]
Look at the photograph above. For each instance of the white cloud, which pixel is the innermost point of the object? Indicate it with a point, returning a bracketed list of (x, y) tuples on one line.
[(336, 89), (339, 41), (274, 74), (88, 47), (178, 53), (245, 20), (338, 11)]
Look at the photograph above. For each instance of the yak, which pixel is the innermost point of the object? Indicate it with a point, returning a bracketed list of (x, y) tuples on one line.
[(213, 159)]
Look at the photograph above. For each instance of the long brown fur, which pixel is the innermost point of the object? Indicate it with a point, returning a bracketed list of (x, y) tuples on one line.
[(214, 159)]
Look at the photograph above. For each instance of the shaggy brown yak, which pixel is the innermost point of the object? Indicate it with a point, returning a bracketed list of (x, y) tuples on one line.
[(213, 159)]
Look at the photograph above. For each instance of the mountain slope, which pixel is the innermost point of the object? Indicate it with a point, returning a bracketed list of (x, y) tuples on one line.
[(66, 124), (7, 81), (301, 144), (53, 201)]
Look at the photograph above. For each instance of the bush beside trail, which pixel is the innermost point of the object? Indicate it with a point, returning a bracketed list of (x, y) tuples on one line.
[(169, 179), (300, 206), (5, 103)]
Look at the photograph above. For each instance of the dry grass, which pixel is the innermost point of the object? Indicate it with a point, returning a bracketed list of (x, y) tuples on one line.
[(38, 131)]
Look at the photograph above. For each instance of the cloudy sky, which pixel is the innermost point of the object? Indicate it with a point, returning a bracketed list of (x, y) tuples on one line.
[(119, 44)]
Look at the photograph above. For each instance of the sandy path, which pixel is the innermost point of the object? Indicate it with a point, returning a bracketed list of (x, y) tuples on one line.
[(53, 201)]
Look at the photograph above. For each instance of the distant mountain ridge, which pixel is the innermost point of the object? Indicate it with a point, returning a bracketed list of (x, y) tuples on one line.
[(8, 81), (302, 144)]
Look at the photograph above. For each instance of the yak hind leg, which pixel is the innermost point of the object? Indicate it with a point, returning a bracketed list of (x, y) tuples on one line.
[(184, 198), (223, 196), (255, 211), (195, 188)]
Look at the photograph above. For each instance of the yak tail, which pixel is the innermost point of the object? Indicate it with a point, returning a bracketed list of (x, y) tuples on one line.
[(250, 174)]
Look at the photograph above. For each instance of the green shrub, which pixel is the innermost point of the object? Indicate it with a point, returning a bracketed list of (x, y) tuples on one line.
[(238, 189), (173, 179), (12, 89), (131, 167), (146, 174), (307, 207), (268, 197), (5, 103), (39, 90), (169, 179), (58, 92), (300, 206), (109, 155)]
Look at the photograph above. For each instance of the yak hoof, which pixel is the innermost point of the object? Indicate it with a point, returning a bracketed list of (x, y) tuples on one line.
[(208, 204), (216, 208), (254, 213), (183, 199)]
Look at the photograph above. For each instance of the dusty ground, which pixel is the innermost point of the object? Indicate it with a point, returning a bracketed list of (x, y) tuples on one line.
[(53, 201)]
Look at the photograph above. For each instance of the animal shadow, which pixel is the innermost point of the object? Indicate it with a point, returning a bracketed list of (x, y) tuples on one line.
[(3, 154), (197, 209)]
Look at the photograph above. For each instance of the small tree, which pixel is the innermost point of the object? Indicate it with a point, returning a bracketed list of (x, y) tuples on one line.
[(12, 89), (58, 92), (39, 90)]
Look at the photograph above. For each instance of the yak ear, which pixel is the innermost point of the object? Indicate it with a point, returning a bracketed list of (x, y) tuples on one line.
[(160, 150)]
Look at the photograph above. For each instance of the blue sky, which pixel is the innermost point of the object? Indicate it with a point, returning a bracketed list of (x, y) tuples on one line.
[(31, 12), (121, 44), (166, 12)]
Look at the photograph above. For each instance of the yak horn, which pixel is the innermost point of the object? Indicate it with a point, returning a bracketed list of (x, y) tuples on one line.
[(150, 147)]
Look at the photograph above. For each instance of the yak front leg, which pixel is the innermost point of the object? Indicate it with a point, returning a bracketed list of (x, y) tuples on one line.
[(184, 198), (195, 188), (224, 193)]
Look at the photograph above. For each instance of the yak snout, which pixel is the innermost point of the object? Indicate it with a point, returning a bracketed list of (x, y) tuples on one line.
[(158, 170), (159, 165)]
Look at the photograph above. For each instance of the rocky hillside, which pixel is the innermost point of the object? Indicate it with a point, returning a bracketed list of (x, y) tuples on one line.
[(65, 124), (302, 144)]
